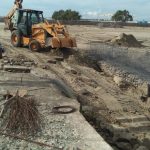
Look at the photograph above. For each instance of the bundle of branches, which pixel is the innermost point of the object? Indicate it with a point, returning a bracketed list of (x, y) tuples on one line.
[(20, 114)]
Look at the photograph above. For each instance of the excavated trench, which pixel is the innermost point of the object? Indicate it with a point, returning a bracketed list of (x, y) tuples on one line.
[(105, 120)]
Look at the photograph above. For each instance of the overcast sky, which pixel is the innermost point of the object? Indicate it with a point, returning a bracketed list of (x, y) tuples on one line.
[(95, 9)]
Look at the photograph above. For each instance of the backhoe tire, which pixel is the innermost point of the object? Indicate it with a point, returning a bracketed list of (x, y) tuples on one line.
[(34, 46), (16, 38)]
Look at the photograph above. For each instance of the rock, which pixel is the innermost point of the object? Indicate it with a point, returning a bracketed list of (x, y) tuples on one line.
[(119, 81), (28, 64), (146, 142), (124, 146), (52, 61), (58, 58), (142, 148), (74, 71), (46, 67), (85, 92), (72, 59), (1, 66), (144, 88), (87, 108), (5, 62)]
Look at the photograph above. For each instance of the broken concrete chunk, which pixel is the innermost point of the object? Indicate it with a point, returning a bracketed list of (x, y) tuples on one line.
[(144, 88), (18, 69), (52, 61), (74, 71), (142, 148), (59, 58), (119, 81), (124, 146)]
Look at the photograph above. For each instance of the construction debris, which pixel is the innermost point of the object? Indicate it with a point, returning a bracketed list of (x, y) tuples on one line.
[(1, 51), (52, 61), (19, 60), (126, 40), (120, 81), (58, 58), (20, 114), (17, 69)]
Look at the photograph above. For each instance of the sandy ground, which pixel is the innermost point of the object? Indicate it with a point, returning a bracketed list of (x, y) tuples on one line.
[(87, 34), (135, 60), (97, 92)]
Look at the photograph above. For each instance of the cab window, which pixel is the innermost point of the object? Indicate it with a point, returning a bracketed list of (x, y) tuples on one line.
[(34, 18)]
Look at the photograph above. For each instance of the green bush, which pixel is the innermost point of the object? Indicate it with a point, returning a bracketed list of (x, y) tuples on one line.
[(122, 15), (66, 15)]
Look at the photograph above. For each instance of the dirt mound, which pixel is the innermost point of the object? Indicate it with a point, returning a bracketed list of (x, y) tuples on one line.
[(126, 40)]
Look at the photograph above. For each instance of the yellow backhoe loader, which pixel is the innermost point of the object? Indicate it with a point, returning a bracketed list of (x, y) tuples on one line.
[(29, 28)]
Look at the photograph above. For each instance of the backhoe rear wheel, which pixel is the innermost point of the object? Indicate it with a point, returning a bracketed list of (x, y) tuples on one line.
[(16, 38), (34, 46)]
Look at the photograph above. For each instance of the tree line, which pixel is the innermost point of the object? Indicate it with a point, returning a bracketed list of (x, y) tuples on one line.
[(120, 15), (69, 15)]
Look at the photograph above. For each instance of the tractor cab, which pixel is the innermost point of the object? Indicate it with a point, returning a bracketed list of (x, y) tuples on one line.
[(24, 19)]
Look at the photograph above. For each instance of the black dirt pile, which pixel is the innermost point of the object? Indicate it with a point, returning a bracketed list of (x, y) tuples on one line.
[(126, 40), (20, 115), (82, 58)]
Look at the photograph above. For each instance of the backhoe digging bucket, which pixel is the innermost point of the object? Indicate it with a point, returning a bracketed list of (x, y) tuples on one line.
[(63, 42)]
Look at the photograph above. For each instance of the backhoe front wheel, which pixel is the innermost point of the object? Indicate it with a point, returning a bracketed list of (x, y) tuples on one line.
[(16, 38), (34, 46)]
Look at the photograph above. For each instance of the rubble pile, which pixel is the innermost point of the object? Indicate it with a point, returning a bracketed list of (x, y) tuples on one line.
[(19, 60), (126, 40)]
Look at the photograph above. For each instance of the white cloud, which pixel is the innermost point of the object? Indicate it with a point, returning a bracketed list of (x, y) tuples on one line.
[(88, 8), (91, 14), (96, 15)]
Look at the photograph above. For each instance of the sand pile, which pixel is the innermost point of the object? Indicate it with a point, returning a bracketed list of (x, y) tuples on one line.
[(126, 40)]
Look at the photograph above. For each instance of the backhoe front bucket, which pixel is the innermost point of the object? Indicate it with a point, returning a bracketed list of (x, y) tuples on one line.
[(63, 42)]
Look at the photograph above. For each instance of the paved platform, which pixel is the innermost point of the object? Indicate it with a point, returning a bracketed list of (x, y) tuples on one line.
[(70, 131)]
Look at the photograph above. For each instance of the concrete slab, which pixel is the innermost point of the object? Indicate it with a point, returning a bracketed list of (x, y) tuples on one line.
[(60, 131), (17, 68), (110, 101), (137, 118)]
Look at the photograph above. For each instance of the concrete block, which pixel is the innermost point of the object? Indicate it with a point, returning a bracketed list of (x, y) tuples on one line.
[(17, 69)]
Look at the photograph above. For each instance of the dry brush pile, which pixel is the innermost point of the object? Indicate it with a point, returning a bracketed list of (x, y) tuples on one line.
[(20, 114)]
